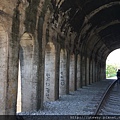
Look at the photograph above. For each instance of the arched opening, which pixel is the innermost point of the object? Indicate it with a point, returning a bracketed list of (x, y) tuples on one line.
[(49, 73), (78, 72), (63, 72), (26, 70), (112, 63), (19, 90), (72, 73), (3, 69)]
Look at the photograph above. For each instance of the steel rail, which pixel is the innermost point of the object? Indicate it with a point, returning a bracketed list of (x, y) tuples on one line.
[(106, 93)]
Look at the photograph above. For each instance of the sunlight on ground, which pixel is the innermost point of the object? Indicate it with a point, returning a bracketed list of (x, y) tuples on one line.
[(112, 78)]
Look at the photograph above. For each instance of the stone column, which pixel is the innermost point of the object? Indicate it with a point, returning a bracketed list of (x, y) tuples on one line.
[(83, 71), (72, 73), (91, 72), (3, 70), (78, 72), (87, 72), (49, 73), (62, 74), (26, 64)]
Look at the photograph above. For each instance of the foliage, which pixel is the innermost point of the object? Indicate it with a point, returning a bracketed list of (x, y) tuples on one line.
[(111, 70)]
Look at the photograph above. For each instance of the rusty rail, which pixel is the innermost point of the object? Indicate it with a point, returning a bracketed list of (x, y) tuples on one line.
[(104, 98)]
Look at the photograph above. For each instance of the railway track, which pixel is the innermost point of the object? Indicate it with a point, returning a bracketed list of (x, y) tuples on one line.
[(110, 102), (105, 103)]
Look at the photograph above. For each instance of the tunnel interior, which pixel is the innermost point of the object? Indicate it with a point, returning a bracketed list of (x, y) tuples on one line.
[(91, 19), (62, 45)]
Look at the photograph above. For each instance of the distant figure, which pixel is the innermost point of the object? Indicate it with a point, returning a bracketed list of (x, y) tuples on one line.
[(118, 75)]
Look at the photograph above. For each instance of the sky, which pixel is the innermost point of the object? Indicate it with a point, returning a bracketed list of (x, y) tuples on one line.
[(114, 57)]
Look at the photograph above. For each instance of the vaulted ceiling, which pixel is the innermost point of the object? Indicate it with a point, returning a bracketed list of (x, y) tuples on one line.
[(101, 17)]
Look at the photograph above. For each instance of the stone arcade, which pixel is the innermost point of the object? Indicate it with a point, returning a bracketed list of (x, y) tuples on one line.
[(61, 45)]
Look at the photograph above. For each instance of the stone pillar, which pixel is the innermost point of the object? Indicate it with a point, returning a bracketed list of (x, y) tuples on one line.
[(62, 73), (87, 72), (75, 71), (103, 70), (49, 73), (83, 71), (9, 69), (26, 64), (68, 73), (96, 69), (3, 70), (72, 73), (98, 72), (78, 71), (91, 72)]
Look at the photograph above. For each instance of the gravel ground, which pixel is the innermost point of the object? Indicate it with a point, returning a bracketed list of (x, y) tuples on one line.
[(76, 103)]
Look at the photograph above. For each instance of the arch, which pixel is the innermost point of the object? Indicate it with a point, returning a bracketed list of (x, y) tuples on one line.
[(78, 71), (18, 109), (113, 60), (3, 69), (63, 72), (106, 6), (49, 73), (72, 73), (26, 65), (96, 11)]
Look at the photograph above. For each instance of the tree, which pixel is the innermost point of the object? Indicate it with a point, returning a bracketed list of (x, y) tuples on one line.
[(111, 70)]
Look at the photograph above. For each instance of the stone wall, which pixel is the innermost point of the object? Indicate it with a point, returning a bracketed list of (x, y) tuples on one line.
[(41, 35)]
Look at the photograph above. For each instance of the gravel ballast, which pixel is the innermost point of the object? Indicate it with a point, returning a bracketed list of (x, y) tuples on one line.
[(76, 103)]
